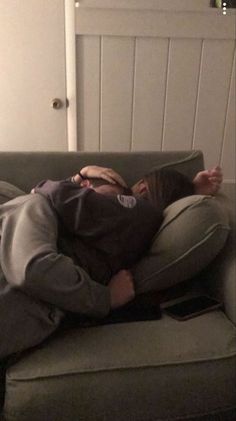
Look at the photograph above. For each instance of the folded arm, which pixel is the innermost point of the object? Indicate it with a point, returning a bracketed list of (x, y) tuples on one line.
[(95, 171), (31, 262)]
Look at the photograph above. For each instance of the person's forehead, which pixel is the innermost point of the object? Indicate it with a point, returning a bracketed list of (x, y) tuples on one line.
[(109, 188)]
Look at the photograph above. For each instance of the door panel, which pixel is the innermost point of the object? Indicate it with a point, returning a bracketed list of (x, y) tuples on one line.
[(32, 63)]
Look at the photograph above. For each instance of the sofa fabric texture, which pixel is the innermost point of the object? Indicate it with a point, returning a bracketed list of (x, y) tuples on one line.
[(142, 371), (138, 367)]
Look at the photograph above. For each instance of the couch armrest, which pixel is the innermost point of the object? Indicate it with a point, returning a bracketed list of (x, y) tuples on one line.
[(229, 286), (222, 283), (221, 274)]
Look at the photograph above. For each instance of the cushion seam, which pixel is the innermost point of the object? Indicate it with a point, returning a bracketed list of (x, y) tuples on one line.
[(199, 414), (128, 367), (186, 208), (175, 217), (187, 253)]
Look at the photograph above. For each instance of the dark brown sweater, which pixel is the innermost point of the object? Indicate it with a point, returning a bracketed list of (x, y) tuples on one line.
[(101, 233)]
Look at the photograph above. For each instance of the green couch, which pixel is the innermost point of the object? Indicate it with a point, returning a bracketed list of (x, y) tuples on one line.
[(141, 371)]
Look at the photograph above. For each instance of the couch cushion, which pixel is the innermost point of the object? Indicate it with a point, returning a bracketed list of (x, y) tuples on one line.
[(193, 232), (138, 371), (8, 191), (58, 165)]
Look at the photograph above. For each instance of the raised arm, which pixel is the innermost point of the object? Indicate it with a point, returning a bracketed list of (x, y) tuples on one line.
[(208, 181), (94, 171)]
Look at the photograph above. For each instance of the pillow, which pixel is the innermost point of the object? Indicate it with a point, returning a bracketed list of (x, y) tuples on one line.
[(8, 191), (193, 232)]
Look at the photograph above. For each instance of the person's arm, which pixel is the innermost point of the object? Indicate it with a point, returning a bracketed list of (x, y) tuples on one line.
[(121, 288), (94, 171), (31, 262), (208, 181)]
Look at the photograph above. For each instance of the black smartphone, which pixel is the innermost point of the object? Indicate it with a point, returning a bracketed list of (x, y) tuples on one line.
[(192, 307)]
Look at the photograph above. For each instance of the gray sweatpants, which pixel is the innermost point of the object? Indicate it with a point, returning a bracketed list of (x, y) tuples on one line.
[(38, 284), (24, 321)]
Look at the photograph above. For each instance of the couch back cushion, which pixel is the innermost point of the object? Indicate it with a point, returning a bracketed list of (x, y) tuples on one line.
[(26, 169)]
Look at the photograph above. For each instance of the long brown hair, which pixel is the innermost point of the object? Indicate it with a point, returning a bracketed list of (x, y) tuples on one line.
[(165, 186)]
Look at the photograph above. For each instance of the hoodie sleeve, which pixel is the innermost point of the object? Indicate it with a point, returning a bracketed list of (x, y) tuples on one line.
[(71, 202), (31, 262)]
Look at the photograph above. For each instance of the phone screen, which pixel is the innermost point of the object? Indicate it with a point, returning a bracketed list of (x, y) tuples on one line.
[(192, 306)]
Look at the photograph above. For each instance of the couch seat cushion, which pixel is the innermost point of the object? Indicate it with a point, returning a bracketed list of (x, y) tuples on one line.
[(136, 371)]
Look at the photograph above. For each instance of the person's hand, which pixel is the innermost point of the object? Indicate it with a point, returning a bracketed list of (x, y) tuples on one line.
[(208, 181), (108, 174), (121, 288)]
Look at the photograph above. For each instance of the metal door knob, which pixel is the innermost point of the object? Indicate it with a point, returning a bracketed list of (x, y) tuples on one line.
[(56, 103)]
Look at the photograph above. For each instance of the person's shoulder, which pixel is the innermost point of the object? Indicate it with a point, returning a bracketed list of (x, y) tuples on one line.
[(152, 214), (35, 200), (33, 205)]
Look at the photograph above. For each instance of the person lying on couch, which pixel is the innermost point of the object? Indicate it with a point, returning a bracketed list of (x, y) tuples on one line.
[(41, 284), (111, 231)]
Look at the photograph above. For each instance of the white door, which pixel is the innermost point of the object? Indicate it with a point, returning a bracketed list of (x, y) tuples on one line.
[(32, 74)]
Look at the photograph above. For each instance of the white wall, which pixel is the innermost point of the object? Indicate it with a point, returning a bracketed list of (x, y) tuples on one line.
[(157, 75), (151, 75)]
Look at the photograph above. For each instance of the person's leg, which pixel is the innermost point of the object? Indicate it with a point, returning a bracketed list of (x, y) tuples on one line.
[(24, 321), (32, 262), (38, 280)]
